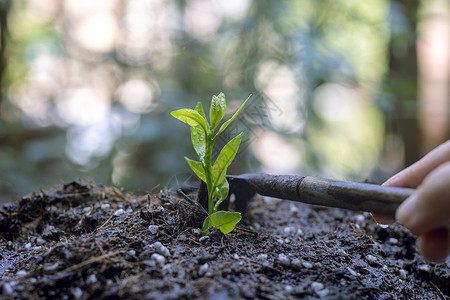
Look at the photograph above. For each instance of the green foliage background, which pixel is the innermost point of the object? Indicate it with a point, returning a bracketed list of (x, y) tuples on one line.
[(317, 45)]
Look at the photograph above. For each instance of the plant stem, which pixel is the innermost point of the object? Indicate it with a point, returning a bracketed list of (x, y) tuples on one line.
[(209, 179)]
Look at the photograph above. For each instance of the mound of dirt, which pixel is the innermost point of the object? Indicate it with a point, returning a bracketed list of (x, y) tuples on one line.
[(85, 241)]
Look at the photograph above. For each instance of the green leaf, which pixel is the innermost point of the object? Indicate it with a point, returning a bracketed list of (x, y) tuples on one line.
[(197, 167), (217, 110), (224, 159), (225, 221), (199, 109), (192, 118), (225, 125), (221, 193), (198, 138)]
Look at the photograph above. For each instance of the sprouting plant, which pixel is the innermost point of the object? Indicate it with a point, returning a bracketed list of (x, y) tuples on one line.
[(203, 136)]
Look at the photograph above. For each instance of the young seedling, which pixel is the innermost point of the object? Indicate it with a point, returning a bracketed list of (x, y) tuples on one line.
[(203, 136)]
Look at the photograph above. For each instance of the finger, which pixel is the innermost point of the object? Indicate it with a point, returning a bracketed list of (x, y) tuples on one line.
[(412, 176), (429, 207), (435, 245), (382, 219)]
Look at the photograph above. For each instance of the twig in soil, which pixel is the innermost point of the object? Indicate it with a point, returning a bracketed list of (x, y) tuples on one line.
[(441, 295), (99, 246), (106, 222), (186, 197), (119, 195), (271, 297), (246, 230), (87, 262), (267, 266), (191, 240)]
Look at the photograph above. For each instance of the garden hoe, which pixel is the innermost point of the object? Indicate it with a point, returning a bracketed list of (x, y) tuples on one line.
[(313, 190)]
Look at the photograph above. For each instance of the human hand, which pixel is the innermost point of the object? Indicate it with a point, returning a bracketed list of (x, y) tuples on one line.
[(427, 213)]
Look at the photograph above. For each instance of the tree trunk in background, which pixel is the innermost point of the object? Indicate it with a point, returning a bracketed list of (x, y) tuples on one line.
[(433, 48), (402, 80)]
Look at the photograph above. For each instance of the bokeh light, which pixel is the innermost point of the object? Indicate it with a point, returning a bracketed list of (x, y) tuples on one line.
[(89, 85)]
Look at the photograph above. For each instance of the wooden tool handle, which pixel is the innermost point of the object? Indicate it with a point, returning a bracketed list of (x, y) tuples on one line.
[(352, 195), (319, 191)]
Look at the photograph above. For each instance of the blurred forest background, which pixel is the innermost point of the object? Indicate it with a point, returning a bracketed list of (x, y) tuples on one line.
[(345, 89)]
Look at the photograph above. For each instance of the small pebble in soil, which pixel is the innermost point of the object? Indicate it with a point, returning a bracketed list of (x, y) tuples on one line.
[(119, 212), (293, 210), (28, 246), (77, 293), (48, 230), (40, 241), (105, 206), (235, 256), (384, 226), (288, 230), (51, 267), (342, 252), (284, 260), (203, 269), (261, 257), (129, 211), (323, 293), (161, 249), (402, 274), (196, 231), (22, 273), (307, 265), (299, 232), (132, 252), (8, 289), (52, 209), (393, 241), (360, 218), (149, 263), (353, 272), (204, 239), (425, 268), (372, 260), (153, 229), (91, 279), (317, 286), (296, 263), (158, 259), (289, 288)]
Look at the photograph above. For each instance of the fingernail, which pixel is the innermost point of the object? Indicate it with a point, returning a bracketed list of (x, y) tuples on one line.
[(405, 211)]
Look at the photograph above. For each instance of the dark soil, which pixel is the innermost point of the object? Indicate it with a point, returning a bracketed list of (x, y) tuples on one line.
[(86, 241)]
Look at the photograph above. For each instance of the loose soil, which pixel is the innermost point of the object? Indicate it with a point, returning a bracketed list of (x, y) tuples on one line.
[(85, 241)]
